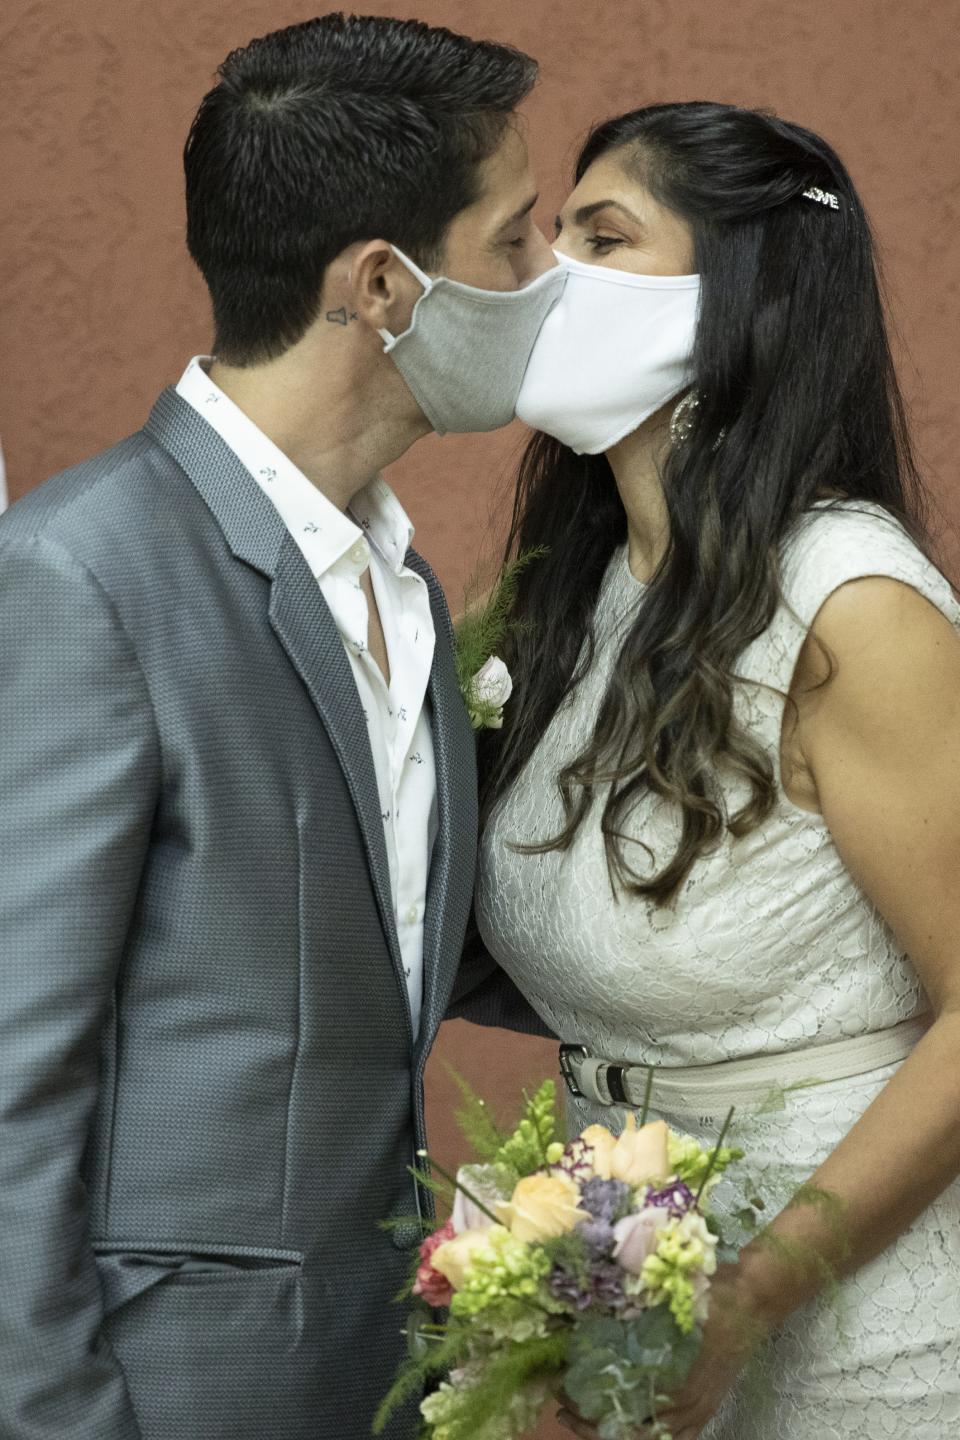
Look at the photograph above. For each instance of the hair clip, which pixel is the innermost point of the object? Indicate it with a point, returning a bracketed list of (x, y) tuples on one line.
[(822, 197)]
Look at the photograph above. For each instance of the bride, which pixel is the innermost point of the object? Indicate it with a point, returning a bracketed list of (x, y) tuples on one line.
[(723, 815)]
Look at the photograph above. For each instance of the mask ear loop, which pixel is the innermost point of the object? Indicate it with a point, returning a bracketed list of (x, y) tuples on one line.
[(426, 281)]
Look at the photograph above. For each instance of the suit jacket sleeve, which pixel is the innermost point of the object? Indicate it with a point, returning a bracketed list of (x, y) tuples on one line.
[(78, 783), (485, 995)]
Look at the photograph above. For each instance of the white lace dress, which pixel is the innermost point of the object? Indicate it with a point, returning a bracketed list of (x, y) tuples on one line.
[(770, 947)]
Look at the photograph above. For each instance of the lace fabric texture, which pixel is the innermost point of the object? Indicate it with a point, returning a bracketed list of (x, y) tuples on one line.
[(770, 946)]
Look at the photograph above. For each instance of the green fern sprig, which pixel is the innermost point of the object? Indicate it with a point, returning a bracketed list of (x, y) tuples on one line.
[(481, 631), (475, 1122), (484, 1409), (440, 1356)]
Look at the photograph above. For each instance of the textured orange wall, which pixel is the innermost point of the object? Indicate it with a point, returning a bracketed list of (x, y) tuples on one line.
[(99, 307)]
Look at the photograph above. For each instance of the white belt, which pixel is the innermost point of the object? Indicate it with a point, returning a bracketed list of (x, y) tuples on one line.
[(756, 1080)]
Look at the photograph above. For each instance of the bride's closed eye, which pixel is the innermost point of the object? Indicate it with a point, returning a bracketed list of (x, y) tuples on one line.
[(602, 243), (599, 244)]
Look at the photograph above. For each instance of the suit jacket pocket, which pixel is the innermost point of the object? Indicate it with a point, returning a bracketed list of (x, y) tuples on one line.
[(128, 1269), (211, 1342)]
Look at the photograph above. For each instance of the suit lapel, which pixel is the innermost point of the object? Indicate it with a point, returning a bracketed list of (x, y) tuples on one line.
[(450, 888), (308, 632), (299, 616)]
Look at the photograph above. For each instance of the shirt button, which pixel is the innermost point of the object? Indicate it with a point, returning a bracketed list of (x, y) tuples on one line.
[(413, 915), (360, 555)]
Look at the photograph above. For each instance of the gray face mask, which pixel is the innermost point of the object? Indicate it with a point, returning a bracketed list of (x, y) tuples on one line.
[(466, 350)]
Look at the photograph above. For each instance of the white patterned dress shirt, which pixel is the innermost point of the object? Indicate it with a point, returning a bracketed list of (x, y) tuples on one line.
[(338, 547)]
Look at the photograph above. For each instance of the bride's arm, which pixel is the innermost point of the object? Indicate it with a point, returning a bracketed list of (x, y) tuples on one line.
[(881, 742)]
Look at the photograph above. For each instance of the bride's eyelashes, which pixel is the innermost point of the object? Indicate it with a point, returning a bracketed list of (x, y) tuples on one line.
[(599, 244)]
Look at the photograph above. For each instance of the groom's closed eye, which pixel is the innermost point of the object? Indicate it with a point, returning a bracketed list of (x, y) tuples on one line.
[(515, 230)]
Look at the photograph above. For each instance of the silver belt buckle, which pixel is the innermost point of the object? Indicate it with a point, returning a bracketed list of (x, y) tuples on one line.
[(566, 1069)]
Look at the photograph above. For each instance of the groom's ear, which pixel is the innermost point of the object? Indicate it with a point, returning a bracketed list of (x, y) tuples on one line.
[(383, 291)]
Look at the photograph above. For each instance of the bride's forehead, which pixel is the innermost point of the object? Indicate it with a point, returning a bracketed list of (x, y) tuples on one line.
[(609, 180)]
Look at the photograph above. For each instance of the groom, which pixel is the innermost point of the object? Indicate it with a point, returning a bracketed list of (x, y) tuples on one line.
[(237, 790)]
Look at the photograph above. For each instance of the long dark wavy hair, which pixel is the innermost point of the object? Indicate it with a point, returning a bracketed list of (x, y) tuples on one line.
[(792, 364)]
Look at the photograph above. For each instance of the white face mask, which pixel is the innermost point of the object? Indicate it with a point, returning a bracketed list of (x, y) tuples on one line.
[(613, 350), (466, 350)]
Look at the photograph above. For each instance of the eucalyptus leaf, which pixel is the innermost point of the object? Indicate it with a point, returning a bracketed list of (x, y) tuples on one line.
[(618, 1368)]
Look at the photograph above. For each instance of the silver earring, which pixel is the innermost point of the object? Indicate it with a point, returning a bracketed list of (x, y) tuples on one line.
[(684, 417)]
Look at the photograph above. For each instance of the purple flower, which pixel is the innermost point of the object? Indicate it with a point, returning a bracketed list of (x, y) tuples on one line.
[(586, 1276), (576, 1162), (600, 1284), (597, 1236), (606, 1199), (676, 1197)]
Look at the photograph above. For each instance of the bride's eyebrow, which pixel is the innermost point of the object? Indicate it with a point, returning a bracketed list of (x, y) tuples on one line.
[(586, 212)]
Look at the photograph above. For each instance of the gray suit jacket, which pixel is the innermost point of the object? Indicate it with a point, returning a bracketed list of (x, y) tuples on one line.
[(209, 1090)]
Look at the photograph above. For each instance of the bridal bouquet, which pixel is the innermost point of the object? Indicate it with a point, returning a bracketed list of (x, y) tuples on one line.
[(578, 1269)]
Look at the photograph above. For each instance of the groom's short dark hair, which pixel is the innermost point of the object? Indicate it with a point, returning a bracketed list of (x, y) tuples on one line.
[(343, 128)]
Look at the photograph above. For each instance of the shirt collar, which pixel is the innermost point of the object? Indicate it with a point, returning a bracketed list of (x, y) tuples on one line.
[(384, 521), (325, 534)]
